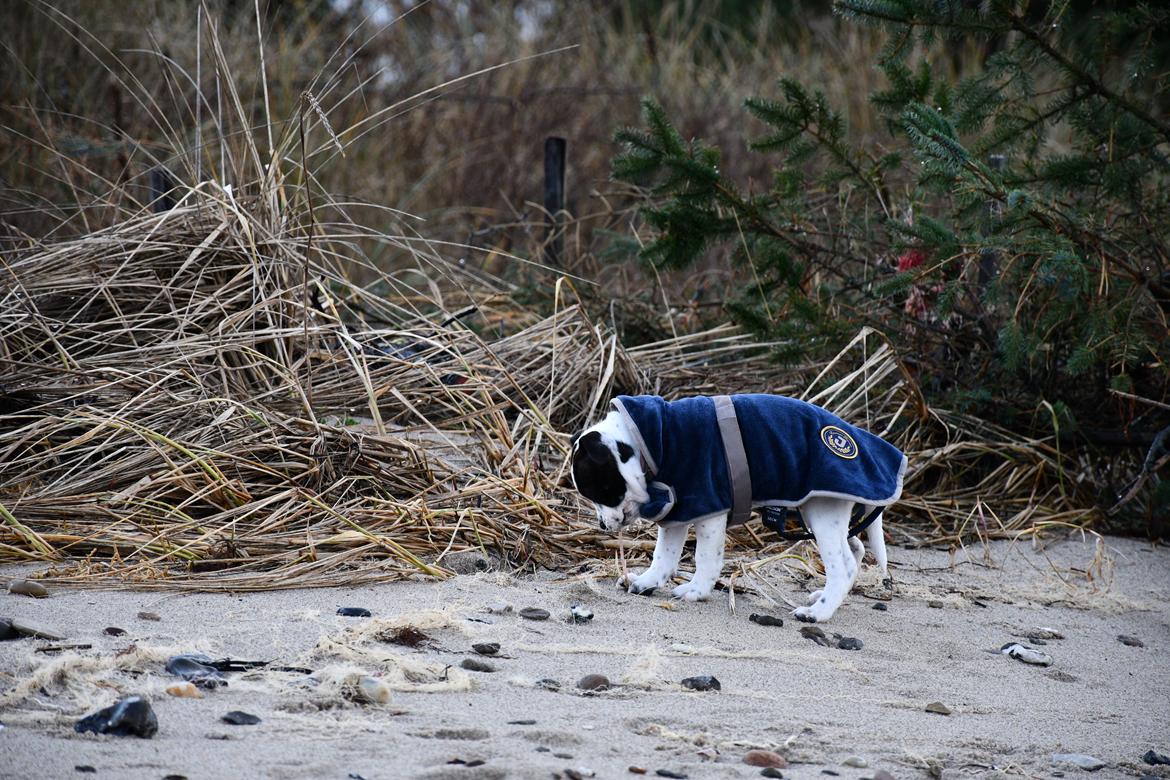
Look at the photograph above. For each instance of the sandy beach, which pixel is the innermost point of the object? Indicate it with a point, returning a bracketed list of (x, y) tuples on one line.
[(826, 710)]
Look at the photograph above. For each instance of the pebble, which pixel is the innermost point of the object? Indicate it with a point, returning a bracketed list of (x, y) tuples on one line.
[(476, 665), (938, 708), (594, 682), (498, 608), (193, 668), (670, 773), (1043, 634), (580, 614), (184, 690), (765, 620), (563, 756), (636, 770), (579, 773), (534, 613), (525, 722), (373, 691), (467, 562), (881, 606), (850, 643), (935, 604), (1087, 763), (240, 718), (1131, 641), (84, 769), (1153, 758), (114, 631), (28, 588), (7, 631), (486, 648), (153, 616), (765, 758), (131, 716), (354, 612), (1028, 655), (703, 682), (855, 761), (771, 772), (882, 774), (13, 628), (816, 634)]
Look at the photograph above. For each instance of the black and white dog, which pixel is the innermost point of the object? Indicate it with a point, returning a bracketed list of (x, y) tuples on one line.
[(708, 462)]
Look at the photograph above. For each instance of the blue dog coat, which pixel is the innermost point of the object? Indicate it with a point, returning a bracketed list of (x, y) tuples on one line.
[(795, 451)]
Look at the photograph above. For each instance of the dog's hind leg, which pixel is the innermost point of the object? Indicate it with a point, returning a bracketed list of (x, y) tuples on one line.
[(828, 519), (710, 540), (877, 546), (667, 553)]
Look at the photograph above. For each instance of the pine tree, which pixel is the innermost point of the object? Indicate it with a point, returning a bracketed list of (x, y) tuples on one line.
[(1022, 248)]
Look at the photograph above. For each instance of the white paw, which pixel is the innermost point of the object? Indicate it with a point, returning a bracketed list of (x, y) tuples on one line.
[(815, 596), (691, 591), (814, 613), (644, 583)]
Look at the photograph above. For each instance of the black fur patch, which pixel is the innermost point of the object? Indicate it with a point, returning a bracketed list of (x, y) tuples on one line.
[(596, 471)]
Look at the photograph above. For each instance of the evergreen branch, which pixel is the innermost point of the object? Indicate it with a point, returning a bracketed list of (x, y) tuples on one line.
[(1088, 79)]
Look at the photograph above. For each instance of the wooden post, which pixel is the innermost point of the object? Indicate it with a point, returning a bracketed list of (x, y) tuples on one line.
[(554, 197), (161, 186)]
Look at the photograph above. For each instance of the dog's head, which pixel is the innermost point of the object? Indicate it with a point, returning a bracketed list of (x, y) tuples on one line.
[(606, 471)]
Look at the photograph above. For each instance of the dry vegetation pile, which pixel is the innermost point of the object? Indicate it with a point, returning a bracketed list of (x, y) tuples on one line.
[(201, 398)]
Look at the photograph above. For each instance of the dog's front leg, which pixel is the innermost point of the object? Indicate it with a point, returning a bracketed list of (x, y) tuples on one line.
[(710, 540), (667, 552)]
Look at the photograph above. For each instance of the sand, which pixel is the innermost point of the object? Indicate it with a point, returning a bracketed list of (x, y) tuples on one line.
[(816, 705)]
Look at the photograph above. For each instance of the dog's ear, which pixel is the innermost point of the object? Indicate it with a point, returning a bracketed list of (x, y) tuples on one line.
[(594, 448), (625, 451), (573, 441)]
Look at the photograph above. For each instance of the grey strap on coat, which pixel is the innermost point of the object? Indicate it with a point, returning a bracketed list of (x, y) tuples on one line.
[(737, 464)]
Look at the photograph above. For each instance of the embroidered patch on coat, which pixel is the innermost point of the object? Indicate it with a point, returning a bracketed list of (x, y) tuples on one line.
[(839, 442)]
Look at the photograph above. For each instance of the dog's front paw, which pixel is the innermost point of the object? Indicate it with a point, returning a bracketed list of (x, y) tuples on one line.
[(642, 585), (692, 591), (804, 614)]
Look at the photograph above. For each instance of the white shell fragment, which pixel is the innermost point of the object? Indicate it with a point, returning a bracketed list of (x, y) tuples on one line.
[(1028, 655)]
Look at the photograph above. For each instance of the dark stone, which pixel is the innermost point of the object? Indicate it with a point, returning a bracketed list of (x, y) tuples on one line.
[(486, 648), (534, 613), (114, 631), (1153, 759), (702, 683), (7, 631), (354, 612), (670, 773), (766, 620), (830, 773), (152, 616), (240, 718), (815, 634), (594, 682), (849, 643), (476, 665), (196, 669), (771, 772), (131, 716), (525, 722), (84, 768), (565, 757), (881, 606), (1131, 641)]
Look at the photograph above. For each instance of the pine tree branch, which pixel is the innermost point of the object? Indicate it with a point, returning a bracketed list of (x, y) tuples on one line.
[(1090, 81)]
